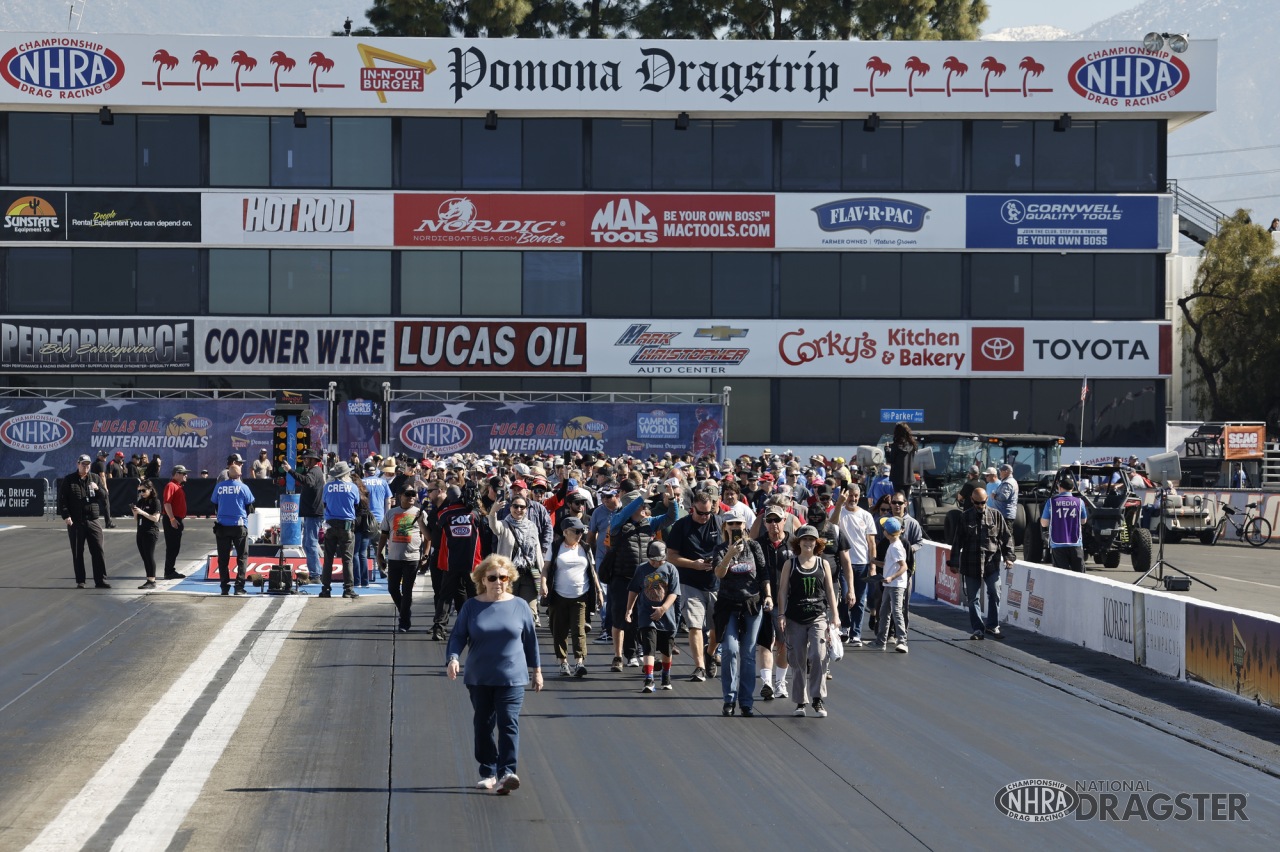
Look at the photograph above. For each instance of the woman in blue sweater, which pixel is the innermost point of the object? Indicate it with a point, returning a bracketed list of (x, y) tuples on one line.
[(499, 628)]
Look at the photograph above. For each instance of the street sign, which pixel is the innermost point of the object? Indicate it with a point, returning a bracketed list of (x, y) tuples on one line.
[(902, 415)]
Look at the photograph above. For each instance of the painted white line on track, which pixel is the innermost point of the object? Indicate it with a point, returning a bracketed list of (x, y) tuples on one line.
[(160, 817), (89, 809), (1235, 580)]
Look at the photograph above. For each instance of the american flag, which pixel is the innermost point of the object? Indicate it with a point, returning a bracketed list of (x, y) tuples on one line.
[(1084, 389)]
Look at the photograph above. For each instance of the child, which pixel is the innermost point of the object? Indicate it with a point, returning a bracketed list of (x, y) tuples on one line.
[(895, 588), (656, 586)]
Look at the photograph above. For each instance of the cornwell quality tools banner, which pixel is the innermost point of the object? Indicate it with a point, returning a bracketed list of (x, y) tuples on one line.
[(43, 437), (616, 76), (555, 427)]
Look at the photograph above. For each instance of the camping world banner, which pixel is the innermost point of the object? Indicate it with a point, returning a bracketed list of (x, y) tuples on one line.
[(616, 428)]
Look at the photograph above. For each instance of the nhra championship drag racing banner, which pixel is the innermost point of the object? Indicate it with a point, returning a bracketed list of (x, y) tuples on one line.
[(43, 437), (555, 427), (92, 345)]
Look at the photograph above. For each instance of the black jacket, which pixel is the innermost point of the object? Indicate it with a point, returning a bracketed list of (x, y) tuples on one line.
[(310, 492), (981, 535), (74, 501)]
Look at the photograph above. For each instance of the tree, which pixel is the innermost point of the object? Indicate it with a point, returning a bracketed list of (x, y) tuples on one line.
[(1231, 317)]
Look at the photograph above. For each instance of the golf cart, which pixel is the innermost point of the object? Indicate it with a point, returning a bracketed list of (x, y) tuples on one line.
[(1181, 516), (1113, 527)]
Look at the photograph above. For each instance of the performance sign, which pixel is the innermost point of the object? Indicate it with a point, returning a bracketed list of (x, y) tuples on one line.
[(419, 428), (95, 346), (1061, 222)]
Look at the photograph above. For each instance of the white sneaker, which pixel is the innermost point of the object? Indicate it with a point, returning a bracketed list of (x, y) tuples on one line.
[(780, 689), (855, 642), (633, 663), (902, 647), (487, 783), (829, 675), (799, 711), (509, 782), (564, 668)]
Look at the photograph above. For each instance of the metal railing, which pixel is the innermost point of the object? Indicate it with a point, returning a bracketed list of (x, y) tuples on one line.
[(1200, 220)]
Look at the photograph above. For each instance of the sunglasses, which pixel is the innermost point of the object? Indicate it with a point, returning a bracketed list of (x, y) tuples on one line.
[(700, 513), (884, 510), (519, 505), (494, 578), (773, 520), (979, 502), (899, 502), (824, 499)]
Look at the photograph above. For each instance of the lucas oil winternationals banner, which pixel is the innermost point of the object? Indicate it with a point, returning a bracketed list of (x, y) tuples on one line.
[(555, 427), (42, 437)]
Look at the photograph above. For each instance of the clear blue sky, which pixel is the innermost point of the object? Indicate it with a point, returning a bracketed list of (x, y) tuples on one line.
[(1073, 15)]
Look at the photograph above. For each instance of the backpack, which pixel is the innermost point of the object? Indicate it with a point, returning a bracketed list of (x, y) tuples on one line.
[(366, 521)]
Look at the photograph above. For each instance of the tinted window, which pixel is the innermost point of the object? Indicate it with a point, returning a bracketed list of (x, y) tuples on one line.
[(871, 285), (1064, 161), (1001, 285), (39, 148), (431, 283), (491, 283), (682, 158), (1056, 408), (940, 399), (1126, 413), (682, 284), (239, 281), (741, 284), (1127, 286), (105, 154), (553, 283), (809, 411), (1062, 286), (361, 152), (39, 281), (103, 281), (431, 153), (809, 285), (931, 285), (1129, 156), (168, 150), (361, 282), (552, 153), (752, 402), (743, 155), (620, 284), (1000, 405), (1001, 158), (860, 404), (935, 152), (300, 282), (621, 150), (169, 281), (239, 150), (872, 161), (811, 155), (491, 158), (300, 156)]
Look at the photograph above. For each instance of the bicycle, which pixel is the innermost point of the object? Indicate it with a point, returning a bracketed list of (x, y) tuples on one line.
[(1251, 528)]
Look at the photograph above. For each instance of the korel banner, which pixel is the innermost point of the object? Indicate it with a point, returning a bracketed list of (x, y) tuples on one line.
[(87, 345), (1061, 222), (43, 437), (711, 77), (100, 217), (555, 427)]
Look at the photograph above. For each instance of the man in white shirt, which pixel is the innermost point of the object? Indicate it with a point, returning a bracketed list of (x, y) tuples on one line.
[(737, 506), (860, 528)]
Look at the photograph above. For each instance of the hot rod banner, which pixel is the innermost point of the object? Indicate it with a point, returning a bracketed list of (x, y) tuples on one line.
[(42, 437), (555, 427)]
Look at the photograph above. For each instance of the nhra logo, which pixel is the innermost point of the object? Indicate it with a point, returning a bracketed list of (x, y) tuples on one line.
[(871, 215), (998, 350), (624, 221), (438, 434), (1128, 74), (1036, 800), (36, 433), (31, 214), (65, 68), (188, 424), (584, 427)]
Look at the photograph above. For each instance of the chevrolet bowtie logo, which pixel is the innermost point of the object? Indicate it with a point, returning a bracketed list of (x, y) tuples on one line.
[(720, 332)]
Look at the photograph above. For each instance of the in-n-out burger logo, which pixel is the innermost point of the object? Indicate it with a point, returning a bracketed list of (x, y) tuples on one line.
[(439, 434), (461, 216), (31, 214), (1130, 74), (1100, 349), (497, 347), (65, 68), (659, 70), (871, 215), (36, 433), (624, 220), (304, 214)]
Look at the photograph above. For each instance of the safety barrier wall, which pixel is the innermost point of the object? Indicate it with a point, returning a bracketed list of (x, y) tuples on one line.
[(1230, 649)]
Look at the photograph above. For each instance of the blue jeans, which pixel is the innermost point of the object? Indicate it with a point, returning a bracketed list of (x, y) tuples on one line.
[(973, 591), (361, 565), (311, 545), (496, 706), (738, 667), (851, 616)]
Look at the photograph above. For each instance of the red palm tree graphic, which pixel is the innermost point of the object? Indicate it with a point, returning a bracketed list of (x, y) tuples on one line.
[(1029, 67), (915, 66), (242, 60), (320, 62), (164, 60), (280, 60), (203, 60), (991, 66), (956, 67), (878, 67)]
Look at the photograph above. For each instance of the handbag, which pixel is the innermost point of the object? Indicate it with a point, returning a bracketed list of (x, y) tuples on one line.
[(835, 646)]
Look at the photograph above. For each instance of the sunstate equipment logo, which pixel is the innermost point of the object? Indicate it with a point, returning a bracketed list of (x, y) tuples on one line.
[(31, 214), (62, 68), (998, 350), (871, 215), (1128, 76)]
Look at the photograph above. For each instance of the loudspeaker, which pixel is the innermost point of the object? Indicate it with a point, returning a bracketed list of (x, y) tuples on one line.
[(1177, 584), (923, 460), (869, 455), (1164, 468)]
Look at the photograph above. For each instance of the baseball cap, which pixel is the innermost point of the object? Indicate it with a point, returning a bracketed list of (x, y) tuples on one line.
[(519, 483), (262, 452), (991, 471), (657, 550), (766, 477), (572, 524), (83, 459), (806, 531), (102, 454), (120, 455), (973, 468), (572, 486), (177, 468), (731, 518), (884, 469), (774, 512), (235, 457), (311, 454), (892, 525), (410, 489)]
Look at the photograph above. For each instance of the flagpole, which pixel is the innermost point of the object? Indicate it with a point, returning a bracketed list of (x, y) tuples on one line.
[(1084, 393)]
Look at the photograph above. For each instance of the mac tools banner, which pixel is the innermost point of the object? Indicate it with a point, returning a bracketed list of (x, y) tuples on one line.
[(418, 428)]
